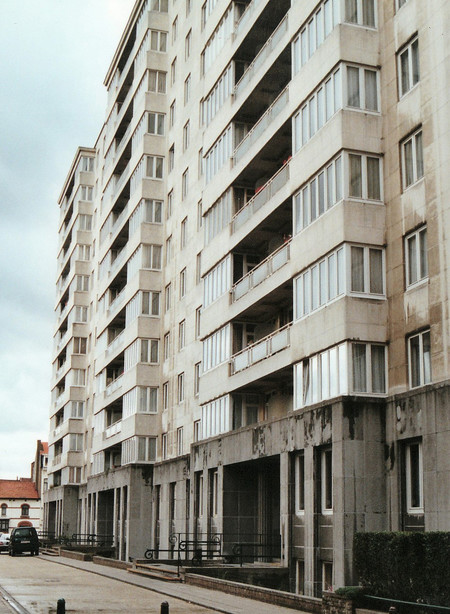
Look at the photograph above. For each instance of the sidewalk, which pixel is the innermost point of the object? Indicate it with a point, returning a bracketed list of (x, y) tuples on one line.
[(211, 599)]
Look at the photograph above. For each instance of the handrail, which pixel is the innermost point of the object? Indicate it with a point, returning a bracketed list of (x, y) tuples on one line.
[(270, 350), (248, 73), (258, 267), (247, 140), (253, 202)]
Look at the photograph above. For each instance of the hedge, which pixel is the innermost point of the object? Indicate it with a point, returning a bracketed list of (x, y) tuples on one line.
[(405, 566)]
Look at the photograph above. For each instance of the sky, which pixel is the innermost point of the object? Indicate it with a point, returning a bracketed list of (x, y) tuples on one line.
[(53, 59)]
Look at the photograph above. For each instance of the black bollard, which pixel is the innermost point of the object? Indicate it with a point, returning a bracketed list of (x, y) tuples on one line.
[(164, 607), (61, 606)]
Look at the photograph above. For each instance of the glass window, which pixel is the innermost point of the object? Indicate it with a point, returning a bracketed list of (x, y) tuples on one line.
[(416, 256), (412, 159), (419, 350), (408, 66)]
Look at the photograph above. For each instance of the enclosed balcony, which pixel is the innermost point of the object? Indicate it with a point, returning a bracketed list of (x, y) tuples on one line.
[(113, 418)]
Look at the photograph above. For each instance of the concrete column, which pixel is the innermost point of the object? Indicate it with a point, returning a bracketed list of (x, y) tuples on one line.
[(285, 506)]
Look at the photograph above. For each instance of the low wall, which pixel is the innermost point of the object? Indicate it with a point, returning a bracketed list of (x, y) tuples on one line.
[(101, 560), (280, 598), (78, 556)]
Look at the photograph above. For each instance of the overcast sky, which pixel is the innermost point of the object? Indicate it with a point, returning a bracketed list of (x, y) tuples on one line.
[(54, 55)]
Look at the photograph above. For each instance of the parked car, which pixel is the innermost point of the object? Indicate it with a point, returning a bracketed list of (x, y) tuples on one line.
[(24, 539), (4, 542)]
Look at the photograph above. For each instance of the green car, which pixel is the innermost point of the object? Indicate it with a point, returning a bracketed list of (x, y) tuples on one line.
[(24, 539)]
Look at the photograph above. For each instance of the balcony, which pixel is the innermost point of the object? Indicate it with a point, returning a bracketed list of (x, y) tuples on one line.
[(113, 386), (262, 196), (113, 430), (265, 52), (260, 273), (262, 125), (261, 349)]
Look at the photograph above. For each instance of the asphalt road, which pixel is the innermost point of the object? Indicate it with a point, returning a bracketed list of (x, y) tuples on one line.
[(36, 585)]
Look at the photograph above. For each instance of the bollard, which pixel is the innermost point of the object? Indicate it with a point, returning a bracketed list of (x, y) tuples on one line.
[(164, 607), (61, 606), (392, 610)]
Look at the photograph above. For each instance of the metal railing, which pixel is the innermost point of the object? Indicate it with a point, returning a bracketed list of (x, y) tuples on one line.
[(262, 271), (261, 349), (262, 196)]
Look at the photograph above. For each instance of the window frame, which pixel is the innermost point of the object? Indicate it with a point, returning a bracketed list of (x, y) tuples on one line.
[(419, 236), (413, 68), (417, 162), (409, 476), (424, 363)]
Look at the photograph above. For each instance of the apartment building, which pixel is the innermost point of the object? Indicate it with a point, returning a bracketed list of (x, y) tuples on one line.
[(252, 313)]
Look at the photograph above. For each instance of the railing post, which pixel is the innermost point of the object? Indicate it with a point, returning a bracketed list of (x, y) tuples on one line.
[(164, 608)]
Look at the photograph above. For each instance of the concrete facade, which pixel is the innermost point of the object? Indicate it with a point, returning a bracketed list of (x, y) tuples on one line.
[(252, 295)]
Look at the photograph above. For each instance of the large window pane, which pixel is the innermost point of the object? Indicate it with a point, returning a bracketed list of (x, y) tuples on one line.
[(373, 179), (370, 85), (353, 95), (419, 155), (351, 13), (355, 188), (404, 70), (412, 260), (426, 349), (357, 269), (408, 156), (415, 76), (376, 271), (368, 17), (378, 368), (359, 367), (414, 357)]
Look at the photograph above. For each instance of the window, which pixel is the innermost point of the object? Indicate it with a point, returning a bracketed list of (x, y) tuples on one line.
[(362, 89), (368, 368), (408, 66), (326, 478), (78, 377), (214, 491), (162, 6), (87, 164), (171, 158), (198, 313), (79, 345), (166, 395), (151, 257), (198, 268), (360, 12), (167, 296), (183, 233), (187, 89), (180, 441), (182, 283), (216, 348), (157, 81), (319, 195), (199, 494), (187, 45), (152, 210), (185, 184), (81, 313), (367, 270), (4, 509), (180, 387), (364, 177), (154, 168), (147, 399), (181, 334), (414, 477), (156, 123), (217, 282), (197, 370), (174, 29), (168, 249), (300, 483), (150, 303), (164, 446), (197, 430), (166, 346), (158, 40), (219, 154), (87, 192), (82, 283), (84, 222), (84, 252), (173, 71), (199, 214), (327, 576), (188, 7), (146, 449), (412, 159), (314, 32), (149, 350), (416, 256), (76, 442), (172, 114), (25, 510), (419, 359), (77, 409), (186, 129), (169, 204)]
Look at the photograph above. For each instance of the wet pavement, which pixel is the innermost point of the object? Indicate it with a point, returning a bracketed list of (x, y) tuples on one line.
[(36, 584)]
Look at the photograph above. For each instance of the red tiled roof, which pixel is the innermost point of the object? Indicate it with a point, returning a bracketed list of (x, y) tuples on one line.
[(44, 445), (18, 489)]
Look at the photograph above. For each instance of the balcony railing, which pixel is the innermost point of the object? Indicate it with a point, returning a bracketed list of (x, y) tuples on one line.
[(265, 52), (261, 349), (261, 272), (113, 429), (117, 301), (121, 181), (113, 386), (262, 196), (244, 19), (261, 125), (114, 343)]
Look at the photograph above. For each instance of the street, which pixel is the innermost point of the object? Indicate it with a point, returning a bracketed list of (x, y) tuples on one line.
[(37, 584)]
